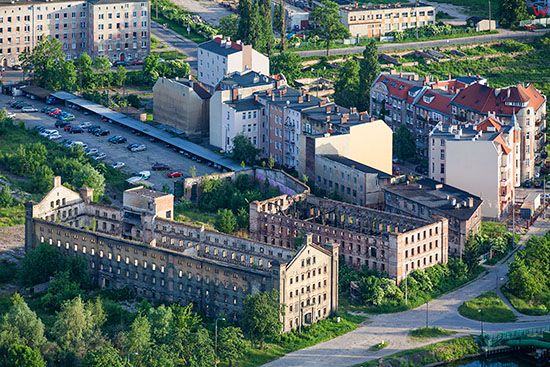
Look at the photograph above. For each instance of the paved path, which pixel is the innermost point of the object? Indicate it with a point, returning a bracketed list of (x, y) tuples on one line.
[(209, 10), (352, 348), (503, 34), (178, 42)]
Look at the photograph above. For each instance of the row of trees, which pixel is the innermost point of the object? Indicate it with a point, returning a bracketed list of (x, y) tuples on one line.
[(40, 163), (352, 88), (80, 328), (255, 25), (529, 274), (51, 70)]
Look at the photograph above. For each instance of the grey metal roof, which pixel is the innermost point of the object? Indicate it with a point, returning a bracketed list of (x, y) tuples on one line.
[(247, 104), (216, 47), (148, 130), (245, 79), (356, 165)]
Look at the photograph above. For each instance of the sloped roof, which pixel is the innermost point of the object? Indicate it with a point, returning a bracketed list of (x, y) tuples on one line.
[(398, 87)]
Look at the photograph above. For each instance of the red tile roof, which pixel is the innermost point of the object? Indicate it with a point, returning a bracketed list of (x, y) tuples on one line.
[(484, 99), (234, 45), (397, 87), (441, 101), (488, 122)]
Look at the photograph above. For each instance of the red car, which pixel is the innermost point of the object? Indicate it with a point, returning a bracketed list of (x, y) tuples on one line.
[(55, 112), (174, 174), (137, 62), (68, 127)]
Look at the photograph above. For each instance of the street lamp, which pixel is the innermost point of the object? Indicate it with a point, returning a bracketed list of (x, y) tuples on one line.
[(497, 278), (427, 310), (216, 335), (481, 320)]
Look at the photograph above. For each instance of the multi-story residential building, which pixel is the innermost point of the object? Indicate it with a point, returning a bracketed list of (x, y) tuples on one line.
[(353, 182), (483, 159), (378, 240), (366, 142), (522, 103), (427, 199), (140, 247), (403, 99), (378, 20), (234, 110), (118, 29), (183, 104), (221, 56)]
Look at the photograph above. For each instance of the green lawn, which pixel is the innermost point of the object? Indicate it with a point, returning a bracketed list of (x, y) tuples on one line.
[(447, 351), (289, 342), (487, 307), (473, 7), (430, 332), (12, 216), (528, 308), (192, 35)]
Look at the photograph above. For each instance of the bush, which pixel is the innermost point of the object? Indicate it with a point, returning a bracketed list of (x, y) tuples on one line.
[(488, 308), (430, 332), (8, 271)]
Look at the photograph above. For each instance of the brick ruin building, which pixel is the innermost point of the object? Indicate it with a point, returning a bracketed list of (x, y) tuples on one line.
[(387, 242), (140, 247)]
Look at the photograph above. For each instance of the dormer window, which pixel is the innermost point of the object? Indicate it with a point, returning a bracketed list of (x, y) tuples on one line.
[(428, 98)]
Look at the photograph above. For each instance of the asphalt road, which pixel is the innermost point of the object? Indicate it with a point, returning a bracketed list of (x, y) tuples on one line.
[(353, 348), (134, 162), (504, 34), (174, 40)]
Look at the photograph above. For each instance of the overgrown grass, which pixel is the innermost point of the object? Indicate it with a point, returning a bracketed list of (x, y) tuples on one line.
[(289, 342), (12, 216), (171, 55), (446, 351), (533, 308), (191, 214), (430, 332), (487, 307), (192, 35)]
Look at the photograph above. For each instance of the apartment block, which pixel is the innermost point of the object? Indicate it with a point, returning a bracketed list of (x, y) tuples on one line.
[(140, 247), (221, 56), (378, 240), (427, 199), (380, 19), (483, 159), (404, 99), (521, 104), (235, 111), (351, 181), (118, 29), (182, 103)]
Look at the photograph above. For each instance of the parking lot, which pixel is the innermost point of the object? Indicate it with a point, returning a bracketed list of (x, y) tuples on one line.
[(156, 152)]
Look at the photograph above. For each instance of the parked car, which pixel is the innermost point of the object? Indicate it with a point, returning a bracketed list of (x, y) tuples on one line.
[(11, 115), (79, 144), (29, 109), (92, 129), (62, 124), (136, 62), (92, 151), (160, 167), (100, 156), (54, 136), (174, 174), (47, 132), (102, 132), (85, 125), (131, 146), (117, 139), (139, 148), (76, 130), (118, 165), (144, 175), (17, 67)]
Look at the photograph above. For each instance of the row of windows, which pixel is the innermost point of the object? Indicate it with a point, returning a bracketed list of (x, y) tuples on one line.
[(424, 247), (425, 261), (419, 235)]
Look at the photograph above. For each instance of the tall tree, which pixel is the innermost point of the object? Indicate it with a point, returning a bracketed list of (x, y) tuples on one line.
[(105, 356), (231, 344), (261, 316), (279, 22), (245, 11), (511, 12), (138, 340), (266, 26), (346, 87), (226, 221), (40, 263), (243, 150), (85, 72), (326, 23), (404, 145), (369, 68), (229, 24), (119, 77), (102, 70), (22, 324), (287, 63), (20, 355)]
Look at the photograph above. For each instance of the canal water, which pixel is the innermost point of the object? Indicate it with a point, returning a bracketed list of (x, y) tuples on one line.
[(502, 361)]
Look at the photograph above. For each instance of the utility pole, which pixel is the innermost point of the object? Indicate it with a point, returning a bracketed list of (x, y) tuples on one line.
[(427, 310), (416, 12), (406, 291), (489, 14)]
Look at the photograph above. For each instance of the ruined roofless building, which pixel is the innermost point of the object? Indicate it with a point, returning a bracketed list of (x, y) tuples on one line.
[(141, 248), (382, 241)]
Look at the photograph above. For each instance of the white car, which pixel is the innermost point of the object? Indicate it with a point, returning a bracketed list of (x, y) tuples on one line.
[(78, 144), (134, 180), (11, 115), (100, 156), (139, 148), (144, 175), (118, 165), (29, 109), (46, 133), (85, 125), (54, 136), (92, 151)]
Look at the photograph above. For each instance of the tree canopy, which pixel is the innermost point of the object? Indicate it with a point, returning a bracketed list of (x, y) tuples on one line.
[(404, 145), (261, 316), (511, 12), (326, 23)]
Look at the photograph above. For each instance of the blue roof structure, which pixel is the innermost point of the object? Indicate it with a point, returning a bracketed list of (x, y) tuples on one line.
[(150, 131)]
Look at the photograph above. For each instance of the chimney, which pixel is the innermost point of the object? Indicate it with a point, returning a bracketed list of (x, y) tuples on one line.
[(337, 108), (272, 96), (450, 77), (308, 98), (87, 194), (344, 118), (327, 118), (353, 109), (57, 181), (327, 109), (300, 99), (453, 201), (470, 202), (426, 80), (234, 94), (256, 98)]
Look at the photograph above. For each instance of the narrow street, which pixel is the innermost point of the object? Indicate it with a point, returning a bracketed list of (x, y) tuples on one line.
[(353, 348), (178, 42)]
